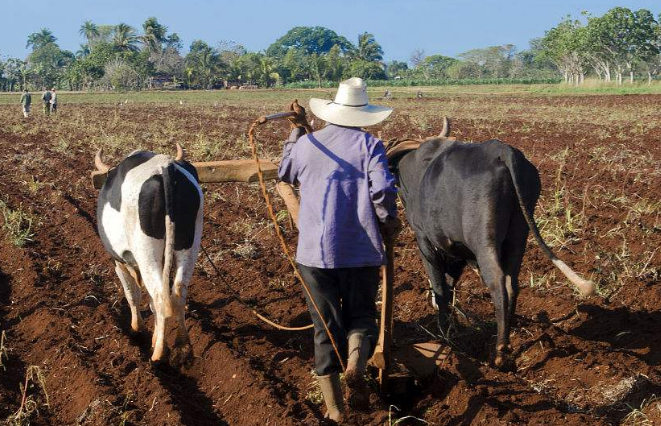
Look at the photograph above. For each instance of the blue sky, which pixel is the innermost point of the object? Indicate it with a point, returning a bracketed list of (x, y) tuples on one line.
[(448, 27)]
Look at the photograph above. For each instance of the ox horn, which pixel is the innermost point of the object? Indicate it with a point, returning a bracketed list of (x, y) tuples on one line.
[(446, 128), (98, 162), (180, 153)]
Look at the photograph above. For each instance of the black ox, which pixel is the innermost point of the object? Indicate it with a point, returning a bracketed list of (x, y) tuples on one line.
[(472, 203)]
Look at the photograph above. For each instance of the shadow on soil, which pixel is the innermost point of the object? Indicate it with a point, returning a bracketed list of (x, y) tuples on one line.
[(635, 333)]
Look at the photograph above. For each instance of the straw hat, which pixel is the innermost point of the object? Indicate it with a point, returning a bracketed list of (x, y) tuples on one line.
[(351, 106)]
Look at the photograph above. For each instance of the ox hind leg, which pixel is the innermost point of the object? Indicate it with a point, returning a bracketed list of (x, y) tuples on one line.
[(185, 261), (129, 278), (513, 249), (443, 274), (151, 270), (494, 277)]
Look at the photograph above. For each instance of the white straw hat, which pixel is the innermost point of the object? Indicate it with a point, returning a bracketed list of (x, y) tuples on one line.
[(351, 106)]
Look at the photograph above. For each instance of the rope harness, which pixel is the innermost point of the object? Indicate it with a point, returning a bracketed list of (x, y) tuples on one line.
[(283, 243)]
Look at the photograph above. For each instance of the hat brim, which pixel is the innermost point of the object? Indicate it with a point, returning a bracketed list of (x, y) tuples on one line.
[(342, 115)]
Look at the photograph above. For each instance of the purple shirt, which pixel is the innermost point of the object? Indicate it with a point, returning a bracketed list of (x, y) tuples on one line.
[(346, 189)]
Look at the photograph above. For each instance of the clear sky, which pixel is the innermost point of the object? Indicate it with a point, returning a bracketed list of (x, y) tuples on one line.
[(448, 27)]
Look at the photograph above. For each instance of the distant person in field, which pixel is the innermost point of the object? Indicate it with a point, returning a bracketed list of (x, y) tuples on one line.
[(347, 197), (53, 101), (46, 98), (26, 101)]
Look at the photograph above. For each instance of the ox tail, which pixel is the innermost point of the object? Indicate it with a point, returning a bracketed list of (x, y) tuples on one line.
[(168, 254), (509, 157)]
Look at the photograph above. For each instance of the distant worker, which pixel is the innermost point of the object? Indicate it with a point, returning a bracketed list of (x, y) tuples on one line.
[(53, 101), (419, 94), (26, 101), (46, 97), (387, 95)]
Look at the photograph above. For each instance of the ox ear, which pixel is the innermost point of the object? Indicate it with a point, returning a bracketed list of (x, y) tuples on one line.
[(180, 153), (446, 129)]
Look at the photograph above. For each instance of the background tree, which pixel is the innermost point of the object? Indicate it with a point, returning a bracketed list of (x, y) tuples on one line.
[(40, 39), (311, 40), (434, 66), (155, 34), (203, 66), (396, 69), (90, 31), (335, 64), (367, 70), (368, 49), (125, 38), (417, 56), (567, 46)]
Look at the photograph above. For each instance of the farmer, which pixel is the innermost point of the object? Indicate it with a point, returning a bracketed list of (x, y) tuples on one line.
[(347, 196), (46, 97), (26, 101), (53, 101)]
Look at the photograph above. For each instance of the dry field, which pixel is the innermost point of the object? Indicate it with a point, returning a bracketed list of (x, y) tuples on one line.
[(64, 323)]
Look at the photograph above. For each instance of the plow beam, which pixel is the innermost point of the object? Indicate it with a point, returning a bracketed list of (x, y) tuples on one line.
[(217, 171)]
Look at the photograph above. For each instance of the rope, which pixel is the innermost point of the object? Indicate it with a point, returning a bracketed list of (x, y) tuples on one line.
[(283, 244), (244, 303)]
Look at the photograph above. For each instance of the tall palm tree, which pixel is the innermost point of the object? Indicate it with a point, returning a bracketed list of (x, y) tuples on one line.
[(90, 31), (154, 36), (40, 39), (124, 38), (368, 49)]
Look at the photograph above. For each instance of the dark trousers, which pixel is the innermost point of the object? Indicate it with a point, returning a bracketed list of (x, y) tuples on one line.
[(346, 298)]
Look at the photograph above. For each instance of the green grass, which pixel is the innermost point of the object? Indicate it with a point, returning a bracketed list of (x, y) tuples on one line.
[(237, 97)]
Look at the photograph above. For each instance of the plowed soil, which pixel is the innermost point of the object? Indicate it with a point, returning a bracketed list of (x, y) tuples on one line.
[(593, 361)]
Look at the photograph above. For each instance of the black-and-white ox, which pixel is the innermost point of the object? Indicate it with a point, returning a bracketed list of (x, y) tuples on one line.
[(473, 203), (149, 216)]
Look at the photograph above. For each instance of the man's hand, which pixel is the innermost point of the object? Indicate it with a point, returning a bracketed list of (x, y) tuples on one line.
[(391, 229), (300, 119)]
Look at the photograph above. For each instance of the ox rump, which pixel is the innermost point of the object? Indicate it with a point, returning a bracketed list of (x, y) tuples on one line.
[(149, 217)]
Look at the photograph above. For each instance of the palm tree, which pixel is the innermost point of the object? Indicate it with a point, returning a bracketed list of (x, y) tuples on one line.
[(368, 49), (124, 38), (154, 36), (90, 31), (40, 39), (84, 51)]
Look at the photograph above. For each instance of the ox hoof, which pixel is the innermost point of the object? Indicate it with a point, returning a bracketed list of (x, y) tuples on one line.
[(505, 362), (139, 336), (181, 355)]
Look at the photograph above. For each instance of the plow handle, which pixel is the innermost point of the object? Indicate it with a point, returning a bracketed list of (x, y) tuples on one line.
[(381, 357), (265, 118)]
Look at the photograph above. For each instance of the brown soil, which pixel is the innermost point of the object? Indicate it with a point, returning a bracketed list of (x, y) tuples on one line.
[(578, 361)]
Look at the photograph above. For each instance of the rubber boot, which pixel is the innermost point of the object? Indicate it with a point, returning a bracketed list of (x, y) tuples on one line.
[(358, 396), (332, 392)]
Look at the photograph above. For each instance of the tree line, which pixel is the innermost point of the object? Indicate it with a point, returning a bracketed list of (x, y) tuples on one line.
[(119, 57)]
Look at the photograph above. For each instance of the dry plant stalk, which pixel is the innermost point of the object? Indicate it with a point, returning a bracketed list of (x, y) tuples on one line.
[(29, 406)]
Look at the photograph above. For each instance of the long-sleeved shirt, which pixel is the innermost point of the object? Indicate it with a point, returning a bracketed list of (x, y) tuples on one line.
[(46, 96), (53, 99), (346, 189), (26, 99)]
